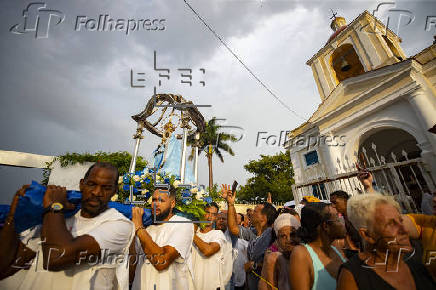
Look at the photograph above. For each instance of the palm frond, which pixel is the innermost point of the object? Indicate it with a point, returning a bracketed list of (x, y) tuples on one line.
[(220, 156)]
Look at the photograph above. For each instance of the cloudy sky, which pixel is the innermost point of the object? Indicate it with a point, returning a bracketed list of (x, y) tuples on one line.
[(71, 92)]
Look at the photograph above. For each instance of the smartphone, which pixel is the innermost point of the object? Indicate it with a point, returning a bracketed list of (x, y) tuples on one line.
[(235, 184)]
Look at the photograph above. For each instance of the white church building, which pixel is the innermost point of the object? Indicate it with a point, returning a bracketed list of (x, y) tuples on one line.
[(377, 108)]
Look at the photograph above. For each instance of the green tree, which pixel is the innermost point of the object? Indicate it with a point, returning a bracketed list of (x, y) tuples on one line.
[(272, 174), (211, 141)]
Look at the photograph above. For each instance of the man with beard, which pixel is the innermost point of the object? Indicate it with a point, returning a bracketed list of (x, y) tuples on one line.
[(81, 252), (166, 244), (208, 253), (275, 270)]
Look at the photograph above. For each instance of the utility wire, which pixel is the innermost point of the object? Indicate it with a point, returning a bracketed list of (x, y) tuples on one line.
[(241, 62)]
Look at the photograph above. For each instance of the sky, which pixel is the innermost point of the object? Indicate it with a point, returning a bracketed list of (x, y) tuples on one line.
[(71, 91)]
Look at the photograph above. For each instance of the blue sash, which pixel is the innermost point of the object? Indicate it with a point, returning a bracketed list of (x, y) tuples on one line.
[(29, 210)]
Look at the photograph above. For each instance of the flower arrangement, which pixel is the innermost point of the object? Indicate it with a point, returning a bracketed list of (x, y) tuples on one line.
[(190, 201)]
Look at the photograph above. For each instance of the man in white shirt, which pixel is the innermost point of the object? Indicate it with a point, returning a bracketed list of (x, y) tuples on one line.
[(208, 253), (87, 250), (164, 249)]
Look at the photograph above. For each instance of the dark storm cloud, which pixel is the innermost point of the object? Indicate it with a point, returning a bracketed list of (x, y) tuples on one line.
[(70, 92)]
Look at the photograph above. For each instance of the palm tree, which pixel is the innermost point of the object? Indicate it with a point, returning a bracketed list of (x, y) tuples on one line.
[(212, 141)]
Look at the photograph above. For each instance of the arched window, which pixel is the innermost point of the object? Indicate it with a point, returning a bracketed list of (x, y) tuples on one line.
[(346, 63)]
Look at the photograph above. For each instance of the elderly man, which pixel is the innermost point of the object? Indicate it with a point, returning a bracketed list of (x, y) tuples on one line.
[(275, 268), (166, 244), (381, 264), (208, 253), (79, 252)]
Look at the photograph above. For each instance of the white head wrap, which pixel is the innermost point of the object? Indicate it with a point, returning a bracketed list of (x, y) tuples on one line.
[(286, 219)]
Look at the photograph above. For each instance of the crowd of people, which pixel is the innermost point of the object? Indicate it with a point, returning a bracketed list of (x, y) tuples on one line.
[(352, 242)]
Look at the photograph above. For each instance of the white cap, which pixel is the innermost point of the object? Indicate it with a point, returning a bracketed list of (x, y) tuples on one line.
[(286, 219)]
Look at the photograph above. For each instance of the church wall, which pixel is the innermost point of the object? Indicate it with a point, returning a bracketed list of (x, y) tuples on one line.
[(398, 115), (317, 81), (369, 43), (364, 57), (364, 104), (296, 165), (321, 76), (329, 73)]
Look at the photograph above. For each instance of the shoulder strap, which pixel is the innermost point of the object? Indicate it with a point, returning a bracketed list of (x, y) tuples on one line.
[(316, 262), (339, 254)]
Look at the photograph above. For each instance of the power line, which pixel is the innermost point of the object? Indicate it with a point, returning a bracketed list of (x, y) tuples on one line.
[(241, 62)]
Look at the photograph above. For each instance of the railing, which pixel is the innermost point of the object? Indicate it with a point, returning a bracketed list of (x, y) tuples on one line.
[(405, 179)]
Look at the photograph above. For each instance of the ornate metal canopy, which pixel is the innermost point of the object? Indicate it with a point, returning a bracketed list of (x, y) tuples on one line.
[(158, 106)]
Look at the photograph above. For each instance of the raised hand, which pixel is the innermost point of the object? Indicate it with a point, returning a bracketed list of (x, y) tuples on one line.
[(227, 194), (54, 194), (366, 179), (14, 204)]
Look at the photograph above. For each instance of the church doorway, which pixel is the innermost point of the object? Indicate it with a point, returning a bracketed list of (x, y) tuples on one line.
[(394, 158)]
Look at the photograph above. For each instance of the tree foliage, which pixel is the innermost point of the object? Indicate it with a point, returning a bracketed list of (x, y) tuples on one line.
[(272, 174)]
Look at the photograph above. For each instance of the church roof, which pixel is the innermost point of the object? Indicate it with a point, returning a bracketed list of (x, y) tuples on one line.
[(347, 90), (353, 87), (425, 55), (345, 30), (336, 33)]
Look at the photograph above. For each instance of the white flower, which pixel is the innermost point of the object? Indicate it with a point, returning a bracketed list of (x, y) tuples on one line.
[(143, 176), (194, 190), (136, 178), (158, 178), (176, 183), (120, 180), (114, 197), (200, 194)]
